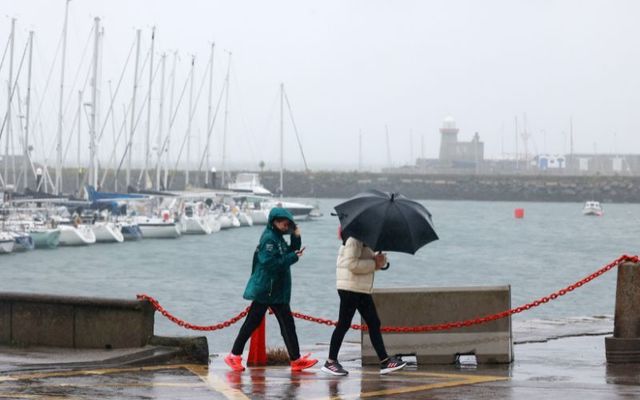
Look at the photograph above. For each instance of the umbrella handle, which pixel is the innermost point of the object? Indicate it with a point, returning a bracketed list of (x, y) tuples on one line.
[(386, 267)]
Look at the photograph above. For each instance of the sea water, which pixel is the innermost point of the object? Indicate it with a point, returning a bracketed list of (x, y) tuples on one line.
[(201, 278)]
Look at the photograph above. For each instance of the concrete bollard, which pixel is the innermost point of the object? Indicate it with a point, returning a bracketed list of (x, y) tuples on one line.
[(624, 345)]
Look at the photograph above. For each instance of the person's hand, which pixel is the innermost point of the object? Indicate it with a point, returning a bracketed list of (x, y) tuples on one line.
[(381, 260), (300, 252), (297, 232)]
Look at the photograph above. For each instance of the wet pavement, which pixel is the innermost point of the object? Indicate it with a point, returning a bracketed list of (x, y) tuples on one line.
[(567, 368)]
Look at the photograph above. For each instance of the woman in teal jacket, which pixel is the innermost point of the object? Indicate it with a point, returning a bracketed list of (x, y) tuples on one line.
[(270, 287)]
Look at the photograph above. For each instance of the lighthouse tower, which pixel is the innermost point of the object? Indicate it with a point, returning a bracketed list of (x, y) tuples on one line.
[(448, 139)]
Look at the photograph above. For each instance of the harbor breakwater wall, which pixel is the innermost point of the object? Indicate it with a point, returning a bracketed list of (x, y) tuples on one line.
[(609, 189), (331, 184)]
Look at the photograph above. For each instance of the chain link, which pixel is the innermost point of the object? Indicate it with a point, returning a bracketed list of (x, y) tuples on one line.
[(417, 328), (187, 325)]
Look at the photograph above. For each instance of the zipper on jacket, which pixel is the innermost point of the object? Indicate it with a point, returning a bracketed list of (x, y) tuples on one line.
[(271, 287)]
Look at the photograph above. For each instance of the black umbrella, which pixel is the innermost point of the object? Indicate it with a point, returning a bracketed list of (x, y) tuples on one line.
[(386, 221)]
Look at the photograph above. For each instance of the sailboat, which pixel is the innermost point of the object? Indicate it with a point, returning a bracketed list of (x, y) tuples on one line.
[(300, 211)]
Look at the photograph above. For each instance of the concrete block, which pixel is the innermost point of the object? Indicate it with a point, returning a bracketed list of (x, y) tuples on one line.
[(42, 324), (491, 342), (97, 327), (82, 322)]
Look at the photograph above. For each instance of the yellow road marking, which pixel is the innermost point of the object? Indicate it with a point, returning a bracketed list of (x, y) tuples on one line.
[(216, 383), (103, 371)]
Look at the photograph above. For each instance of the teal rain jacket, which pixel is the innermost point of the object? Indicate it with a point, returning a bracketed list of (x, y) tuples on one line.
[(270, 281)]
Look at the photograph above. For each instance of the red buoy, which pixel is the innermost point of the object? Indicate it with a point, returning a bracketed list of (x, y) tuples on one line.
[(519, 213)]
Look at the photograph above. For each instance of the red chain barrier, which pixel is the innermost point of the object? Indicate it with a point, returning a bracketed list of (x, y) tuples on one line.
[(417, 328), (187, 325), (487, 318)]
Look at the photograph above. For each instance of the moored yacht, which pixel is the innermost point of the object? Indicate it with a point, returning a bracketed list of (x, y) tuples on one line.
[(6, 243), (107, 232), (45, 238), (249, 182), (78, 235), (158, 228)]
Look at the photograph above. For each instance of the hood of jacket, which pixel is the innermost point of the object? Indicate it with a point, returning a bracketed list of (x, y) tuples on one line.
[(279, 212)]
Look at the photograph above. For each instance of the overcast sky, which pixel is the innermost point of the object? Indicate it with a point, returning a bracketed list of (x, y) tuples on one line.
[(351, 67)]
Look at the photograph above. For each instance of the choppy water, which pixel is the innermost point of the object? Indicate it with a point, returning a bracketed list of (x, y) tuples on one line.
[(201, 278)]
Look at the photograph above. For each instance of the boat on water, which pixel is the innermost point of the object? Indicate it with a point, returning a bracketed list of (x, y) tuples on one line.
[(158, 228), (107, 232), (130, 231), (249, 182), (258, 208), (79, 235), (6, 243), (194, 220), (24, 241), (45, 238), (299, 211), (592, 208)]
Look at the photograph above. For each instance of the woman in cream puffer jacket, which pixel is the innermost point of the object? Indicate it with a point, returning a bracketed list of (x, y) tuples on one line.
[(356, 267)]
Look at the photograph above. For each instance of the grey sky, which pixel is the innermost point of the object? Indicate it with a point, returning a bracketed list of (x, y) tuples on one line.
[(351, 66)]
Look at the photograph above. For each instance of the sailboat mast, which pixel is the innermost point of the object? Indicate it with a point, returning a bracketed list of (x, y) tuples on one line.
[(9, 89), (226, 116), (281, 139), (147, 142), (517, 155), (171, 96), (79, 126), (159, 137), (93, 173), (58, 185), (25, 166), (186, 175), (209, 111), (133, 108)]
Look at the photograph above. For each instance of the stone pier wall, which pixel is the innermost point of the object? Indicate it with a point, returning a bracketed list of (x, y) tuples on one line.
[(329, 184)]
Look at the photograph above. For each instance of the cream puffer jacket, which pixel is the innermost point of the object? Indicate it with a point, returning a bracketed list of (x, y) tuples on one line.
[(355, 267)]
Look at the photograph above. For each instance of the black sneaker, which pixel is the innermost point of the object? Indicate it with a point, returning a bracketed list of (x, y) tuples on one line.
[(391, 364), (334, 368)]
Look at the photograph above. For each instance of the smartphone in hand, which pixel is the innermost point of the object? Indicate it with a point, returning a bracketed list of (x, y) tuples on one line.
[(300, 252)]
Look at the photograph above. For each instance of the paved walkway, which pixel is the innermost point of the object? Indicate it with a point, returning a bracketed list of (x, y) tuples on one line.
[(569, 368)]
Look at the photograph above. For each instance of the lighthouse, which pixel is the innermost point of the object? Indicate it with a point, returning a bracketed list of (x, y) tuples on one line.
[(448, 140)]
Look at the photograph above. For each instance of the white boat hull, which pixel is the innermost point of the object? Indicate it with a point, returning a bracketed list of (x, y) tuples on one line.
[(244, 219), (6, 246), (259, 217), (228, 220), (107, 232), (76, 236), (194, 226), (159, 230), (213, 223)]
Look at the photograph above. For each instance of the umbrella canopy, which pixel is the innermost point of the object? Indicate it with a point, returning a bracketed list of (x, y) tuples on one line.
[(386, 221)]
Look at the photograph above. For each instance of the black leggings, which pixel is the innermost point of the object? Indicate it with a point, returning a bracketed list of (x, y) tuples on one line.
[(349, 303), (285, 320)]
